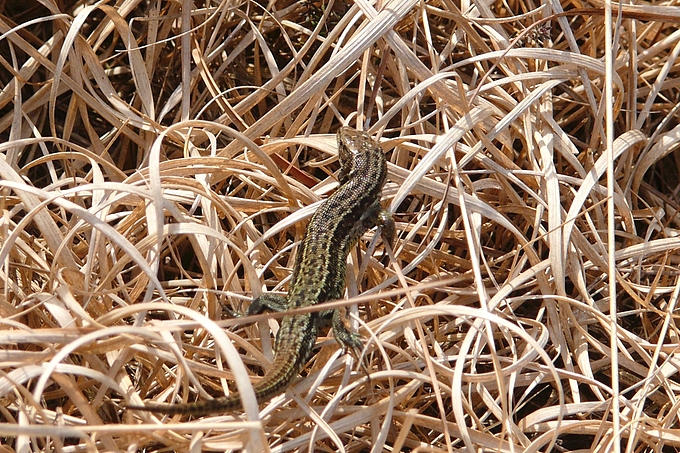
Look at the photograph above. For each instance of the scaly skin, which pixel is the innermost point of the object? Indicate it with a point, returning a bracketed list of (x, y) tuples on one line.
[(319, 272)]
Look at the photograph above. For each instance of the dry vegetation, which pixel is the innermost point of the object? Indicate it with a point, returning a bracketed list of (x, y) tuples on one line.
[(160, 159)]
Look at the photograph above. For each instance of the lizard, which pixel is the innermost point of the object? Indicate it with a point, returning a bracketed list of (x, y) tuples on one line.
[(318, 274)]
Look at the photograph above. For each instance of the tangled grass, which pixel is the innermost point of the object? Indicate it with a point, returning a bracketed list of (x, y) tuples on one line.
[(159, 160)]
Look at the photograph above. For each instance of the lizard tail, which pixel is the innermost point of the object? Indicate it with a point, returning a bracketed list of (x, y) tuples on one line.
[(291, 355)]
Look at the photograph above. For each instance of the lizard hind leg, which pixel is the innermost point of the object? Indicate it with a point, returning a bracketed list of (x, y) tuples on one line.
[(349, 341), (268, 301)]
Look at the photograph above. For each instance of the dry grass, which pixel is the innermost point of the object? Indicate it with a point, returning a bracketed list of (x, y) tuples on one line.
[(159, 160)]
